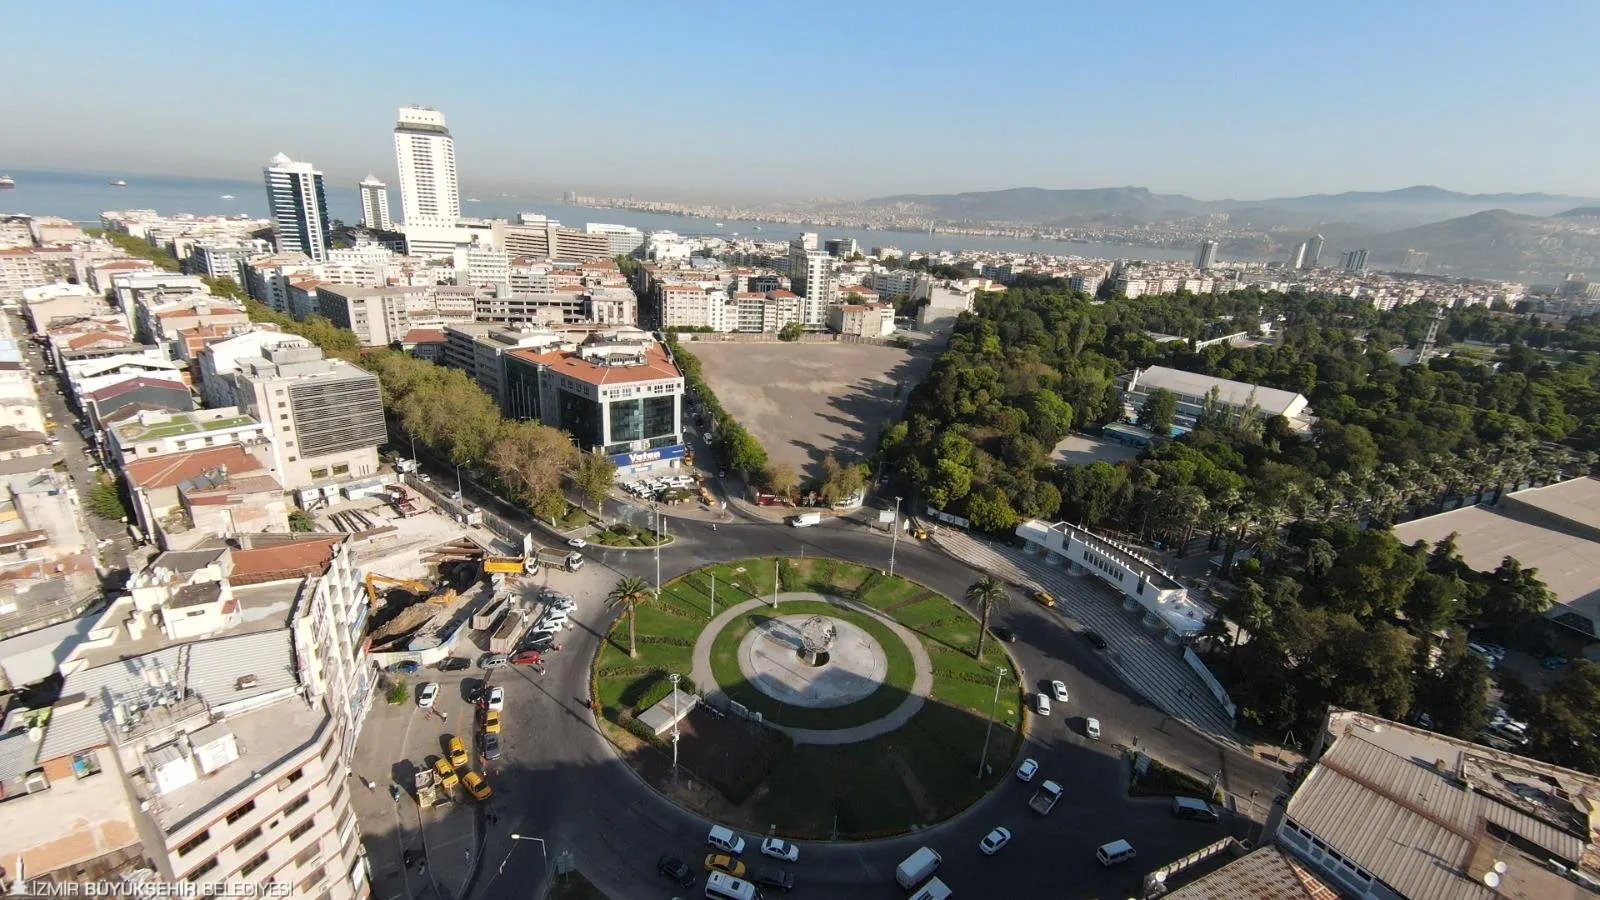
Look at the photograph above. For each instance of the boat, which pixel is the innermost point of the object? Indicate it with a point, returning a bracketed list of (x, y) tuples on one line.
[(6, 181), (719, 225), (117, 182), (758, 227), (473, 200), (226, 197)]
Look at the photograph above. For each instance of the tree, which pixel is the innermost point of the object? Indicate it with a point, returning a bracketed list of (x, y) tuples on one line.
[(531, 458), (1515, 594), (781, 479), (300, 520), (1567, 716), (986, 593), (989, 510), (106, 500), (790, 332), (1158, 411), (840, 483), (1049, 416), (1457, 695), (628, 595), (594, 477)]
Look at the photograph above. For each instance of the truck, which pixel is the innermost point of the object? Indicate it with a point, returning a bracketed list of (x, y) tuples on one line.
[(1045, 798), (489, 615), (806, 519), (569, 560), (505, 637), (915, 869), (509, 565)]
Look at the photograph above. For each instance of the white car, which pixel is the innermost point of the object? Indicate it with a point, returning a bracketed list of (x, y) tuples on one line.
[(1027, 770), (1041, 703), (497, 698), (426, 694), (1059, 691), (780, 849), (580, 543), (993, 841), (1091, 727)]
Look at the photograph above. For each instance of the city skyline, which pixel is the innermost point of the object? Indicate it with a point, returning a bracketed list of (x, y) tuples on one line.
[(951, 114)]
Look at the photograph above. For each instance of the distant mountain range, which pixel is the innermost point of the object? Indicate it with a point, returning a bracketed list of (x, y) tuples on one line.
[(1526, 237)]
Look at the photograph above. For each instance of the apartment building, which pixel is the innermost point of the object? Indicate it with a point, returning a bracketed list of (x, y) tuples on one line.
[(480, 265), (149, 433), (382, 315), (539, 237), (217, 363), (267, 280), (682, 305), (162, 322), (326, 415), (622, 239), (20, 269), (867, 320), (215, 259)]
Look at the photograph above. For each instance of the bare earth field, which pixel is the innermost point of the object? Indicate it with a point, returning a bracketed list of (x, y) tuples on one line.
[(804, 401)]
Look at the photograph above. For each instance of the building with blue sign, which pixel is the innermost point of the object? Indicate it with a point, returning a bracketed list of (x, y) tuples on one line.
[(618, 392)]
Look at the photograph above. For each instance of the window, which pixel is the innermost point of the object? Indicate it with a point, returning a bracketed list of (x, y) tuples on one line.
[(295, 804), (254, 864), (311, 881), (249, 836), (306, 856), (341, 469), (291, 778), (318, 474), (203, 868), (300, 830), (245, 810), (193, 844)]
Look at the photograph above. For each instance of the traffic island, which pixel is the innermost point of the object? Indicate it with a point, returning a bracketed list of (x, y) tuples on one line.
[(877, 728), (623, 536)]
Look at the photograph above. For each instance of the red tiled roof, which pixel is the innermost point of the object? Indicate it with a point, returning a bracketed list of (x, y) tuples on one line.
[(138, 381), (423, 336), (310, 556), (781, 294), (97, 337), (657, 366), (166, 471)]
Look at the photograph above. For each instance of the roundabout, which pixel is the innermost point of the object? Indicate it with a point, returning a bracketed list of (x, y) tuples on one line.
[(832, 701)]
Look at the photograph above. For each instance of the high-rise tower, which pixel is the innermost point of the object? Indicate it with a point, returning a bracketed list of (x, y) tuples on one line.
[(299, 207), (1313, 251), (375, 204), (1207, 258), (425, 154)]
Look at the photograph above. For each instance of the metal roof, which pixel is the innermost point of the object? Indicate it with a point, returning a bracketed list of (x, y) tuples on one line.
[(1271, 401)]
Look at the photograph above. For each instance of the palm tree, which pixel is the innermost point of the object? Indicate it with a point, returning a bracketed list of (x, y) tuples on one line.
[(629, 593), (986, 593)]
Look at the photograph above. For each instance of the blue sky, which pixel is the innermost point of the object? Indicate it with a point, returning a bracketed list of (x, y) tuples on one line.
[(823, 99)]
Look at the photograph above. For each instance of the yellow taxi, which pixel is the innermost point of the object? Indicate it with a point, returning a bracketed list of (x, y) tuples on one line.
[(491, 721), (476, 786), (1044, 599), (719, 862), (458, 752), (446, 773)]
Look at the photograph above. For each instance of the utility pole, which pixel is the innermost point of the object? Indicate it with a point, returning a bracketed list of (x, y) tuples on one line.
[(674, 726), (894, 535), (655, 510), (775, 580), (999, 673), (713, 595)]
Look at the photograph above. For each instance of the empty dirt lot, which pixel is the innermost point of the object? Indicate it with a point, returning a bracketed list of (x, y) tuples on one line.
[(804, 401)]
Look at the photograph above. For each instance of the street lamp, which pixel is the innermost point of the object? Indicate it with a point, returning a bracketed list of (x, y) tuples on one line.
[(519, 837), (674, 725), (655, 511), (894, 535), (999, 673), (458, 479)]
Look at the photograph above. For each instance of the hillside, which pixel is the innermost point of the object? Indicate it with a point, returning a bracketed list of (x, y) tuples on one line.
[(1495, 243)]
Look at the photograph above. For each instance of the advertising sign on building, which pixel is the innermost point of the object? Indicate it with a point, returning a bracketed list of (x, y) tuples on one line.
[(649, 456)]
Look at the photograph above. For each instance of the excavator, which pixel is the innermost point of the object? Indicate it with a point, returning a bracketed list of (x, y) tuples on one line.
[(420, 588)]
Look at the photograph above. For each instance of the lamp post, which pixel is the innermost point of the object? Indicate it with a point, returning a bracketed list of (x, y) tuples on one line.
[(674, 726), (775, 580), (999, 673), (655, 511), (507, 858), (459, 495), (894, 535), (713, 595)]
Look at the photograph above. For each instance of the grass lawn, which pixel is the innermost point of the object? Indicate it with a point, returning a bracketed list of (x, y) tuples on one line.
[(573, 886), (920, 774), (631, 537), (901, 672), (1165, 781), (574, 517)]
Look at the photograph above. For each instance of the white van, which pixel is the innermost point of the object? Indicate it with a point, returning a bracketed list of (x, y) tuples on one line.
[(725, 840), (914, 869), (1114, 852), (722, 886), (933, 890)]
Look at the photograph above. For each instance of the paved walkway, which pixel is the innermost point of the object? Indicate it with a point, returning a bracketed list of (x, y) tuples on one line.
[(920, 685), (1139, 656)]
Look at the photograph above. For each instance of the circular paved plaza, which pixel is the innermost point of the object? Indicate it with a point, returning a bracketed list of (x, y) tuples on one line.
[(772, 657)]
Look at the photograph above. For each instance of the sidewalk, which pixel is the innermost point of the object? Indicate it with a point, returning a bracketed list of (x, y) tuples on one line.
[(1139, 656)]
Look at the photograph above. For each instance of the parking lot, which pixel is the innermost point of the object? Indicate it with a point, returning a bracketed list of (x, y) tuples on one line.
[(804, 401), (1082, 449)]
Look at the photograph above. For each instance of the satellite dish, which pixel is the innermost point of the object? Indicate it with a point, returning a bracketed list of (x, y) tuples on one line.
[(1492, 879), (1500, 866)]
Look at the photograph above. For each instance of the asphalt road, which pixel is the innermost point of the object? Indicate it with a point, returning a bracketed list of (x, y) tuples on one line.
[(561, 781)]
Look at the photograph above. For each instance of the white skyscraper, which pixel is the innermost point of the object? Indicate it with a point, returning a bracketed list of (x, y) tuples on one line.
[(811, 275), (1207, 256), (1297, 259), (1313, 251), (299, 207), (426, 157), (375, 204)]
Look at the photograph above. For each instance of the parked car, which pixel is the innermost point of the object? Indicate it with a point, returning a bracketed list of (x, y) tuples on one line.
[(457, 752), (579, 543), (1095, 640), (491, 746), (721, 862), (496, 699), (476, 786), (539, 640), (491, 721), (780, 849), (407, 667), (446, 773), (1027, 770), (1041, 703), (994, 841), (454, 663), (781, 879), (676, 871), (426, 694), (492, 660), (526, 658), (1091, 728), (1059, 691)]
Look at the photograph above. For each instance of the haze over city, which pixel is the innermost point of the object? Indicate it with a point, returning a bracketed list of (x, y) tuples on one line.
[(1221, 100)]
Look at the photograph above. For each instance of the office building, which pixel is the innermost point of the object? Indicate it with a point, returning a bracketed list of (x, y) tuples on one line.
[(1297, 259), (425, 155), (299, 207), (1207, 258), (841, 248), (375, 204), (624, 241), (1353, 262), (1313, 251), (617, 392), (479, 265), (326, 415), (539, 237)]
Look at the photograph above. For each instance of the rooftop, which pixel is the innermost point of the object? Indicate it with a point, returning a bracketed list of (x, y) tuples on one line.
[(158, 427), (263, 607), (1271, 401), (657, 366), (1267, 873), (168, 471)]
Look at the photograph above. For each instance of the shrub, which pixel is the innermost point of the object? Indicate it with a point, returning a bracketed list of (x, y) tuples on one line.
[(397, 693)]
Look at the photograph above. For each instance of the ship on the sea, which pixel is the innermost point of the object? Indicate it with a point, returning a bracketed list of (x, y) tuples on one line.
[(226, 197), (117, 182), (6, 181)]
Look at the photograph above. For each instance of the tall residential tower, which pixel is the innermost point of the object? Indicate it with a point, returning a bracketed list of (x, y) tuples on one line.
[(1207, 258), (375, 204), (299, 207), (425, 154), (1313, 251)]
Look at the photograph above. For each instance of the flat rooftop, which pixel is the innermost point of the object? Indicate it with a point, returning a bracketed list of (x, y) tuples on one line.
[(179, 426), (264, 607)]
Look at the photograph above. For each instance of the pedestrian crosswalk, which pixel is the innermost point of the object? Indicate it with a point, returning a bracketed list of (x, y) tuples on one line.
[(1150, 666)]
